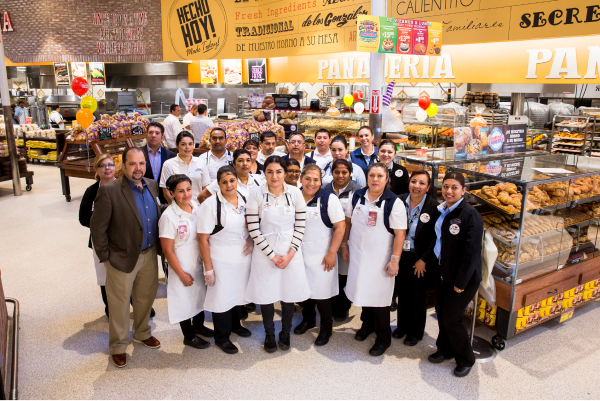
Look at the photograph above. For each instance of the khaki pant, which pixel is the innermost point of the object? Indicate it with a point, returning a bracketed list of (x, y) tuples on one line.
[(140, 285)]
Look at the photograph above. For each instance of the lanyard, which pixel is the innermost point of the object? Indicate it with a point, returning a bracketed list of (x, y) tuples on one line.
[(416, 213)]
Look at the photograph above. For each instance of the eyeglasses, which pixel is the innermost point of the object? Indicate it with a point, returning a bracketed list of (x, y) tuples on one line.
[(106, 165), (296, 143)]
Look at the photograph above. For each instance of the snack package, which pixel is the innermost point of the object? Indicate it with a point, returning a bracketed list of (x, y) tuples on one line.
[(478, 121), (333, 111)]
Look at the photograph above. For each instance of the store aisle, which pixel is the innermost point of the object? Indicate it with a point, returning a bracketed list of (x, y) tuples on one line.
[(47, 266)]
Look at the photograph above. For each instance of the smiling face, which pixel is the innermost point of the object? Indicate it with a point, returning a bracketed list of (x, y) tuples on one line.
[(242, 165), (311, 182), (275, 175), (253, 151), (106, 169), (182, 193), (293, 173), (377, 179), (452, 191), (341, 176), (338, 151), (387, 154), (185, 147), (418, 185), (228, 184), (365, 138), (135, 165)]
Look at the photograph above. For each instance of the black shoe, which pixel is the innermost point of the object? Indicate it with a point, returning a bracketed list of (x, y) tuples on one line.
[(411, 342), (342, 317), (397, 334), (243, 332), (205, 332), (438, 357), (461, 372), (152, 313), (304, 326), (249, 307), (378, 349), (243, 313), (394, 305), (197, 342), (284, 341), (270, 344), (323, 338), (362, 334), (228, 348)]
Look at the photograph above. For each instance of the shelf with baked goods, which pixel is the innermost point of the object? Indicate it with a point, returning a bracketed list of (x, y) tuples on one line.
[(572, 134)]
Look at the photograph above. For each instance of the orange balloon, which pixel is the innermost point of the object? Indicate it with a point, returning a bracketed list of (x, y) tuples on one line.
[(85, 117)]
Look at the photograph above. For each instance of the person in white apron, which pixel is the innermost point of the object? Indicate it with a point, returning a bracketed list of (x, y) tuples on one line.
[(186, 289), (276, 216), (242, 161), (252, 146), (342, 187), (339, 151), (325, 227), (225, 247), (372, 245), (184, 163)]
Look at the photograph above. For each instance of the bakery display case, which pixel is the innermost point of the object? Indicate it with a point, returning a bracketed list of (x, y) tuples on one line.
[(346, 125), (436, 131), (543, 222)]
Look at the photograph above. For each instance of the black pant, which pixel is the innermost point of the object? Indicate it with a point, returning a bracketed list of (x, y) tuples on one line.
[(340, 304), (287, 314), (377, 319), (324, 305), (225, 322), (412, 298), (453, 340), (189, 326)]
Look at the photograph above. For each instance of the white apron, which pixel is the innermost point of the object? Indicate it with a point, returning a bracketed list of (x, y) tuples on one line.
[(315, 245), (268, 283), (231, 267), (342, 266), (370, 251), (100, 269), (186, 302)]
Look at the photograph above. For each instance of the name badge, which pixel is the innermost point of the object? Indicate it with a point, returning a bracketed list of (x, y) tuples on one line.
[(399, 173), (182, 230), (288, 211), (425, 218), (372, 221), (406, 246), (314, 214), (454, 229), (357, 210), (266, 207)]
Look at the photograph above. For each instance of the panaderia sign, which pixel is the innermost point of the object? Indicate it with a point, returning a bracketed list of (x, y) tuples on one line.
[(223, 29)]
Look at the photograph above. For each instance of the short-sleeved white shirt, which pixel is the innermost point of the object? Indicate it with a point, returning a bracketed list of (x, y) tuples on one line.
[(261, 158), (169, 223), (335, 211), (256, 197), (193, 170), (212, 163), (321, 160), (172, 128), (207, 214), (254, 180), (398, 220)]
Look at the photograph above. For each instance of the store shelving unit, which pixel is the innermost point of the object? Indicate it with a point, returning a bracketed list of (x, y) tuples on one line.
[(575, 138), (28, 175)]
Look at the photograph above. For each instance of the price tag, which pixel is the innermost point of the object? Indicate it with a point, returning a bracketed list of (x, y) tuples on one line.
[(137, 129), (255, 136), (577, 258), (105, 133), (566, 315)]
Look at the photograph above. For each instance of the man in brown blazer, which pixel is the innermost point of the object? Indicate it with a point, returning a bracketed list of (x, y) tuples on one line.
[(124, 228)]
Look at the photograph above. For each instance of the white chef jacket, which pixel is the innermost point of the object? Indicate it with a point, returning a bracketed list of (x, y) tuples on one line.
[(254, 180), (172, 128), (194, 171), (320, 159), (261, 157), (56, 118), (212, 163)]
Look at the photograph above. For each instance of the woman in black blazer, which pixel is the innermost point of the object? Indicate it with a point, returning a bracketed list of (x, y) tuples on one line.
[(411, 281), (459, 233), (398, 181)]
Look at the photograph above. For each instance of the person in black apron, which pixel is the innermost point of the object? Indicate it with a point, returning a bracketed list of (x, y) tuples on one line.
[(459, 233), (251, 145), (411, 281)]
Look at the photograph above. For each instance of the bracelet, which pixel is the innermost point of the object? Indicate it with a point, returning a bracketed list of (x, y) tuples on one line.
[(344, 245)]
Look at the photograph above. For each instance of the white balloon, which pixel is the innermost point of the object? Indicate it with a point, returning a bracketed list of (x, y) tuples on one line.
[(359, 107), (421, 115)]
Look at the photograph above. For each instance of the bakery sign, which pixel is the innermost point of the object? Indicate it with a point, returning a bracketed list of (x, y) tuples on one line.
[(232, 29), (473, 142), (7, 25)]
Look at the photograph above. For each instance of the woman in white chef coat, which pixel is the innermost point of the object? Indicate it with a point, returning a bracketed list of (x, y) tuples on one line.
[(242, 161), (185, 288), (184, 163), (339, 151), (276, 215), (372, 245), (225, 247), (343, 188), (323, 233)]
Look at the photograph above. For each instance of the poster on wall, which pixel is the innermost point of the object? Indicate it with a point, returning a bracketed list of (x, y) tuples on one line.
[(61, 74), (398, 36), (97, 73), (233, 71), (78, 70), (209, 71), (257, 71), (472, 142)]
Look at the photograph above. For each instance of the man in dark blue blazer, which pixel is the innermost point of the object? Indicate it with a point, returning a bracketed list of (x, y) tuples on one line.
[(156, 154)]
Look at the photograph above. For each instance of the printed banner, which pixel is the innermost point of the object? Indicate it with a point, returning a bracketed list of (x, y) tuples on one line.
[(61, 74), (257, 71), (209, 71), (398, 36), (97, 73), (472, 142), (226, 29)]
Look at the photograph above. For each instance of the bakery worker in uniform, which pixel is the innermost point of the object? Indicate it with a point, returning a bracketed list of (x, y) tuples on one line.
[(413, 274), (296, 146), (252, 146), (372, 245), (339, 150), (56, 119), (459, 232), (325, 228), (276, 217), (186, 289), (217, 156), (226, 250), (292, 176), (322, 155), (366, 154), (268, 142), (398, 182)]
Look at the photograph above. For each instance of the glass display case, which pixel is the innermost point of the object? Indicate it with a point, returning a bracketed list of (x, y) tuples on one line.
[(345, 124)]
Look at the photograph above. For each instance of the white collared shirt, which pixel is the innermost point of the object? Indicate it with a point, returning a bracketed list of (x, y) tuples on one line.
[(398, 219), (193, 170), (212, 163), (254, 180), (199, 125), (320, 159), (261, 157), (172, 129), (207, 214), (170, 221)]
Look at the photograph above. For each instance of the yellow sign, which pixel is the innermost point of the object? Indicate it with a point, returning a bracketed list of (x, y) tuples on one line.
[(480, 21), (533, 61), (228, 29), (566, 315)]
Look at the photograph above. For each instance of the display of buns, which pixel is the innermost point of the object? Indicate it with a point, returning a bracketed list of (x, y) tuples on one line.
[(239, 132), (573, 123), (331, 123), (504, 196), (569, 135), (591, 209)]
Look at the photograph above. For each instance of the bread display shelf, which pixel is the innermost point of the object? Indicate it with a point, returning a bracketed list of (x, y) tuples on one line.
[(569, 138), (569, 144), (566, 150), (578, 126), (506, 211)]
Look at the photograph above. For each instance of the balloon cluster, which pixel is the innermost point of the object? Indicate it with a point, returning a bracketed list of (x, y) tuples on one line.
[(356, 96), (85, 115), (427, 108)]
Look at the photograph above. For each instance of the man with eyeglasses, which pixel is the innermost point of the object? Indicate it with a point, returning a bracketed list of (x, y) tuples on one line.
[(217, 156), (156, 155), (296, 147)]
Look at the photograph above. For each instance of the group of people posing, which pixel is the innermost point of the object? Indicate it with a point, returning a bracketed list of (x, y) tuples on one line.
[(325, 230)]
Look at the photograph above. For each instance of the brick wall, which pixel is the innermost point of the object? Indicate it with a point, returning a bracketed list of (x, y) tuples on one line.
[(63, 30)]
